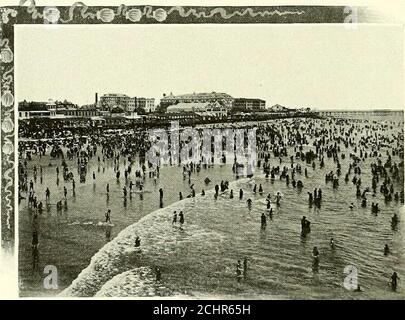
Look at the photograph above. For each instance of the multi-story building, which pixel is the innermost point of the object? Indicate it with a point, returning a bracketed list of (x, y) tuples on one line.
[(147, 104), (126, 103), (114, 100), (222, 98), (132, 102), (249, 104)]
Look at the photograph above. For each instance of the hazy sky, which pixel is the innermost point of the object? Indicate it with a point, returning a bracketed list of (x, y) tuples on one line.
[(317, 66)]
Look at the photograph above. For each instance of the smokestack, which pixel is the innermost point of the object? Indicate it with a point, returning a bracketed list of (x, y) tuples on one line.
[(96, 97)]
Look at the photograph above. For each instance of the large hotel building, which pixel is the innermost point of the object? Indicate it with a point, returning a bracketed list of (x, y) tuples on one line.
[(249, 104), (128, 104), (223, 99)]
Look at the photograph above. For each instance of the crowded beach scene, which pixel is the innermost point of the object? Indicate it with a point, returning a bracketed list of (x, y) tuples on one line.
[(211, 161)]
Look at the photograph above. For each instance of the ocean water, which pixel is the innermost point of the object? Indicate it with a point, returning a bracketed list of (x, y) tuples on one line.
[(200, 259), (68, 239)]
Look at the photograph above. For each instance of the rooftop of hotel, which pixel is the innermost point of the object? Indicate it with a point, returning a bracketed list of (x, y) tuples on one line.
[(202, 95), (250, 99), (115, 95)]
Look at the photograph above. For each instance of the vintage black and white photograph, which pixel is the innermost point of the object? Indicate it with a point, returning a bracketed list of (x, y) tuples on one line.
[(208, 160)]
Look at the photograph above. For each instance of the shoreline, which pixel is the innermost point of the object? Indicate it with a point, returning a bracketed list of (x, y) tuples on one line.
[(126, 233)]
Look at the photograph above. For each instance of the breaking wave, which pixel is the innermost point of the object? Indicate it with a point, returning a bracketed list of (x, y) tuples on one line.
[(120, 269)]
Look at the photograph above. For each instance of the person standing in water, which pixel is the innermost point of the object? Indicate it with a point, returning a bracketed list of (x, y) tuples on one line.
[(137, 242), (386, 250), (245, 267), (239, 271), (35, 241), (35, 252), (315, 254), (332, 243), (303, 223), (161, 195), (394, 281), (278, 198), (174, 221), (181, 220), (108, 216), (158, 274), (394, 220), (263, 221)]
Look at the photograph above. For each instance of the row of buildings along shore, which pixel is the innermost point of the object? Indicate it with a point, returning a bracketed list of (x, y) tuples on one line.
[(197, 106)]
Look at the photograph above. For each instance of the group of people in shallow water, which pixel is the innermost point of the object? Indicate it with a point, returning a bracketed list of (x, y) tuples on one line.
[(327, 145), (241, 270), (315, 197), (181, 218), (295, 146)]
